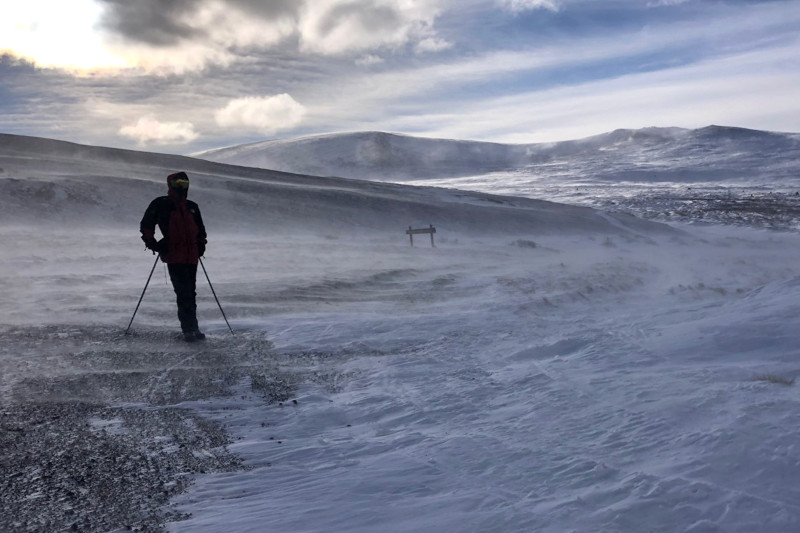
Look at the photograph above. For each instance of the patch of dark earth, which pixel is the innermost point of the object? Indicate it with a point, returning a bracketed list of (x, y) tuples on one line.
[(90, 438), (778, 211)]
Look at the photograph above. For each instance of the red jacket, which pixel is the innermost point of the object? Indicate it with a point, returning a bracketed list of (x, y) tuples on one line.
[(181, 226)]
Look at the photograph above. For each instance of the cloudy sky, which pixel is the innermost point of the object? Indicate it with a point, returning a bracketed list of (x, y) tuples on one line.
[(184, 75)]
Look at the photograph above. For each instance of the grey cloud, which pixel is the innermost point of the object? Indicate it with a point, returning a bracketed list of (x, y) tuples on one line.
[(372, 16), (161, 22), (268, 9), (155, 22)]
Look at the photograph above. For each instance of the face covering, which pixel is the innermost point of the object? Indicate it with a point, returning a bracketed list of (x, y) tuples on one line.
[(178, 184)]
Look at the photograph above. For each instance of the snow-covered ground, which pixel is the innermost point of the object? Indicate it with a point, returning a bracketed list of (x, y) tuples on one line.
[(576, 386), (544, 368)]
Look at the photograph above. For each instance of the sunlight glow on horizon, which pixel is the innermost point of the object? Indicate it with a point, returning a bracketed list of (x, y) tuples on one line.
[(56, 34)]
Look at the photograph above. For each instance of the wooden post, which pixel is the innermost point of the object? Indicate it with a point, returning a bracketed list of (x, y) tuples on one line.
[(430, 230)]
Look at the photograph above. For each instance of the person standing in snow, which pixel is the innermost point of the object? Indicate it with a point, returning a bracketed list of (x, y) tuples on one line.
[(182, 245)]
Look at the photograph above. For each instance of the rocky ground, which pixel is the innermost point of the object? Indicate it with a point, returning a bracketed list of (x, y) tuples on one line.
[(90, 438), (777, 210)]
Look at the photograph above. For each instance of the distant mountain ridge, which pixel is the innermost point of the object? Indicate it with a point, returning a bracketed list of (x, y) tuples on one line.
[(673, 154)]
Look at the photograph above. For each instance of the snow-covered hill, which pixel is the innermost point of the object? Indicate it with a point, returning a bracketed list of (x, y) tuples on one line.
[(45, 180), (713, 153), (545, 368), (374, 156)]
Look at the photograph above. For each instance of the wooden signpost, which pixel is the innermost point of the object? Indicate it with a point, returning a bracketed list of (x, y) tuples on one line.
[(411, 232)]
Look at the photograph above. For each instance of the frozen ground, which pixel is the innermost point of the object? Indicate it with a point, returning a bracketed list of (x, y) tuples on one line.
[(599, 374)]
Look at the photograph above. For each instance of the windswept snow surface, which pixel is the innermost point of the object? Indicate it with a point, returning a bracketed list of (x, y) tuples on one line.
[(601, 373)]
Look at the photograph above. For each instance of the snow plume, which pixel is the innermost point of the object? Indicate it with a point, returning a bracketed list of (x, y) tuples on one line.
[(264, 114), (149, 130)]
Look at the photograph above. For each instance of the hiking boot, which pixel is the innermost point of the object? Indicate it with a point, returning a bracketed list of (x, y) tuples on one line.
[(192, 336)]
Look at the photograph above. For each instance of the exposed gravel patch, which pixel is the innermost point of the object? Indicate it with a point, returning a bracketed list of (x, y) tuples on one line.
[(90, 438), (82, 467)]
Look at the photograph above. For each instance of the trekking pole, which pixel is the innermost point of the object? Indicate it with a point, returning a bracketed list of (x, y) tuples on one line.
[(215, 295), (142, 296)]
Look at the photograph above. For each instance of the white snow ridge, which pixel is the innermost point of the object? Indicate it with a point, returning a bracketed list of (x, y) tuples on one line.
[(544, 368)]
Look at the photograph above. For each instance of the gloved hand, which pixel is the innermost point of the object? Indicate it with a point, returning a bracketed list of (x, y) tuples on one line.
[(150, 243), (161, 247), (201, 249)]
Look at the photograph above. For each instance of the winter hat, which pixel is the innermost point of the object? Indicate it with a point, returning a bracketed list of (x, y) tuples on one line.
[(178, 180)]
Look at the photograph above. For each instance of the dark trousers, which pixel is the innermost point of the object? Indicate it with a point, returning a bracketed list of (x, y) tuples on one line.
[(184, 281)]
